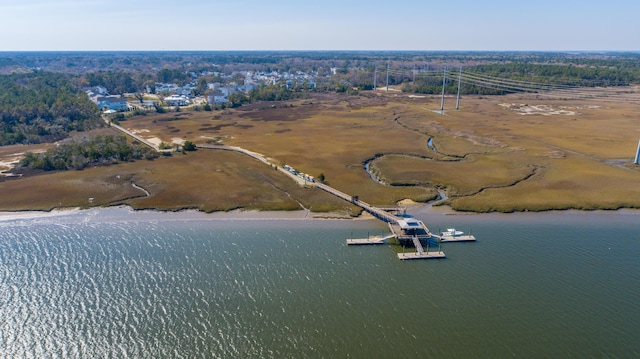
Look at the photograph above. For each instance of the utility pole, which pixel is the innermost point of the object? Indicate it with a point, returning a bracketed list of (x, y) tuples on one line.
[(414, 74), (375, 78), (387, 77), (459, 80), (444, 80), (635, 162)]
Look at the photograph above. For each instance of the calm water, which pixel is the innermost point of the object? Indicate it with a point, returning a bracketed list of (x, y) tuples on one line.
[(112, 284)]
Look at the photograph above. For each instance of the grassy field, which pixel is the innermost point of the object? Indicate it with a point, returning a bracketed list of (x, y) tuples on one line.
[(501, 153)]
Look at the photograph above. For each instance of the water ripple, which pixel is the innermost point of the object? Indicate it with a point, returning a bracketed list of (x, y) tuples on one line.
[(205, 289)]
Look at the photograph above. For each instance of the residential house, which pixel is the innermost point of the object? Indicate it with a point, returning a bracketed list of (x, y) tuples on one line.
[(214, 86), (149, 103), (175, 100), (184, 90), (218, 96), (98, 90), (113, 103), (166, 88)]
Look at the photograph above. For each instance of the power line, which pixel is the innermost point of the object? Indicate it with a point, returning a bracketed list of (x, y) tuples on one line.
[(576, 90)]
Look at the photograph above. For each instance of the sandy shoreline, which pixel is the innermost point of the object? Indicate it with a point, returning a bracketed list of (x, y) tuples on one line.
[(127, 214)]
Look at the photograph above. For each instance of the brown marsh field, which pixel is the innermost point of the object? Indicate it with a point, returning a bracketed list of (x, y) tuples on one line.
[(497, 153)]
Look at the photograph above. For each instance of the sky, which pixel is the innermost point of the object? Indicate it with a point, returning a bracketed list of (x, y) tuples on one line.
[(490, 25)]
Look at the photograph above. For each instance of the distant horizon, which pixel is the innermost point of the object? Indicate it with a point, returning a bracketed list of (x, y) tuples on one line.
[(332, 25)]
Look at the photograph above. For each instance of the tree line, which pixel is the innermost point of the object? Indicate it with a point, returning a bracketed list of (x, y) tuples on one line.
[(81, 153), (593, 73), (43, 107), (277, 92)]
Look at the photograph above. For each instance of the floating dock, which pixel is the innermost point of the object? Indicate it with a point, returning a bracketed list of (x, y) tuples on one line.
[(445, 239), (423, 255), (368, 241), (420, 253), (404, 229)]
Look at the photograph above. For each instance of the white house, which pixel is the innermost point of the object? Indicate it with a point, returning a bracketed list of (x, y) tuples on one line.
[(95, 92), (113, 103), (175, 100), (100, 90)]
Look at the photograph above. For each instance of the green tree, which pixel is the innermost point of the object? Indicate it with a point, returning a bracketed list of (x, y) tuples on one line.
[(159, 109), (84, 152), (202, 86), (237, 99), (189, 146)]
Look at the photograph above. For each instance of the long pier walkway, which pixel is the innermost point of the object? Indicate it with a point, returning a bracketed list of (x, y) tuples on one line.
[(402, 228), (376, 212), (395, 222)]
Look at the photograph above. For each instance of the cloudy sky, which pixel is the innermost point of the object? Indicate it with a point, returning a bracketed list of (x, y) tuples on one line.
[(319, 25)]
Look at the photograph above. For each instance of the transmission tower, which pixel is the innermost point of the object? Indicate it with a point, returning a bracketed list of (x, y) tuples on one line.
[(387, 77), (444, 80), (375, 78), (459, 81)]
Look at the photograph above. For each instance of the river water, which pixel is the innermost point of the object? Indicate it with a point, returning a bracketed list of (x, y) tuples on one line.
[(112, 283)]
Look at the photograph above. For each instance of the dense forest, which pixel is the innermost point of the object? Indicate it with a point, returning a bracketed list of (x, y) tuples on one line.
[(499, 79), (619, 74), (278, 92), (81, 153), (116, 82), (271, 93), (42, 107), (122, 72)]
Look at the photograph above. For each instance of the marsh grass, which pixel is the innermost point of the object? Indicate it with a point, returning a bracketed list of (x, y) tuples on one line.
[(570, 183), (490, 158), (87, 188), (462, 178), (210, 180)]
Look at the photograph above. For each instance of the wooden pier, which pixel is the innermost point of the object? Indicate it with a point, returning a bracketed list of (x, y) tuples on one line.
[(374, 211), (404, 228)]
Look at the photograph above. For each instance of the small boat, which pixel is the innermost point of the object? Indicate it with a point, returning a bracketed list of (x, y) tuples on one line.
[(451, 232)]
